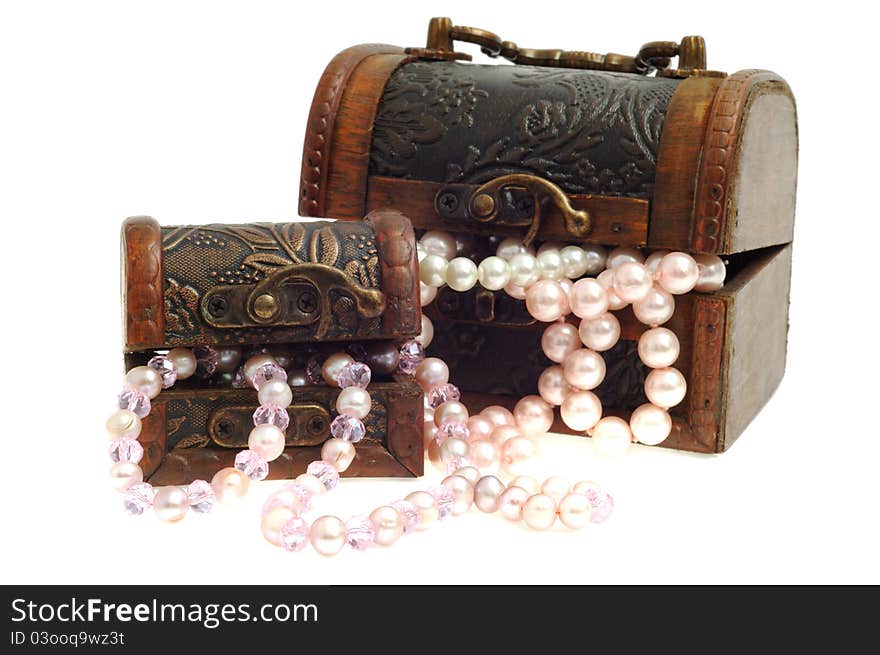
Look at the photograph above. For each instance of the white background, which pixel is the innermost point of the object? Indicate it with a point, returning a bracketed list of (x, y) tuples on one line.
[(195, 111)]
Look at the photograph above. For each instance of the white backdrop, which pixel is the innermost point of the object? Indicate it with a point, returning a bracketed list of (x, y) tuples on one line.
[(195, 111)]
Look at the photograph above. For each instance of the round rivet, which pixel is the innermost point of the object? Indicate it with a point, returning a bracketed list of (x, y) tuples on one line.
[(265, 306), (483, 204)]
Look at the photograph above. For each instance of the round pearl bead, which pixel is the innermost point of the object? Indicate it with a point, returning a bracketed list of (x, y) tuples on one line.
[(575, 511), (426, 336), (658, 347), (312, 484), (171, 504), (546, 301), (484, 454), (539, 512), (552, 385), (382, 357), (462, 493), (596, 256), (621, 255), (533, 415), (144, 379), (557, 487), (511, 502), (426, 294), (228, 359), (426, 505), (469, 473), (230, 484), (600, 333), (559, 341), (524, 270), (333, 366), (251, 365), (498, 415), (711, 278), (511, 246), (388, 523), (515, 453), (611, 436), (487, 493), (550, 264), (461, 274), (504, 433), (267, 441), (528, 483), (452, 411), (327, 535), (606, 279), (653, 261), (581, 410), (285, 498), (185, 362), (656, 308), (124, 424), (125, 474), (354, 401), (493, 273), (436, 242), (272, 522), (431, 372), (432, 270), (515, 292), (479, 427), (454, 450), (588, 298), (678, 272), (650, 424), (338, 453), (275, 392), (584, 369), (298, 378), (665, 387), (631, 281), (574, 262)]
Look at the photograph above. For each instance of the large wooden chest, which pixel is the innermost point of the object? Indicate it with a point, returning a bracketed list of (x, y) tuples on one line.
[(577, 148), (295, 290)]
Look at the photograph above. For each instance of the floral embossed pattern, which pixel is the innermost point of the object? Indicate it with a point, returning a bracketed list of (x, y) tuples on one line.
[(587, 131)]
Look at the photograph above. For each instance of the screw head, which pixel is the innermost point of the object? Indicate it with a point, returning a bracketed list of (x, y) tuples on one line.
[(448, 202), (224, 427), (317, 425), (218, 306), (307, 302)]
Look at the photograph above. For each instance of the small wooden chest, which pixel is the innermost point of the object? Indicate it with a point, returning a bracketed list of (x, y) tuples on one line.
[(579, 148), (296, 290)]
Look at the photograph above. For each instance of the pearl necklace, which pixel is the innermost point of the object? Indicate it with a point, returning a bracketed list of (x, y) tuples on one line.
[(494, 437)]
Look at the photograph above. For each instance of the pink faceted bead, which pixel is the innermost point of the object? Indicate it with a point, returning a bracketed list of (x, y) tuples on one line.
[(411, 355), (452, 429), (136, 401), (138, 498), (207, 359), (266, 373), (327, 474), (294, 534), (314, 369), (441, 393), (360, 532), (445, 501), (252, 465), (272, 415), (356, 374), (126, 450), (409, 514), (601, 500), (348, 428), (201, 497), (165, 367)]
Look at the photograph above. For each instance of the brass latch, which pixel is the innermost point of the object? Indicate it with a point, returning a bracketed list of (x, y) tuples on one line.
[(228, 427), (655, 56), (294, 295), (510, 200)]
